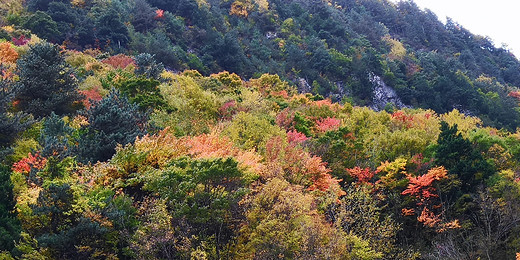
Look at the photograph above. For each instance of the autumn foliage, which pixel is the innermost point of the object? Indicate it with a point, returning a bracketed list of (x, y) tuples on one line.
[(299, 167), (20, 41), (159, 14), (295, 137), (421, 188), (228, 109), (239, 8), (327, 124), (515, 94), (238, 161), (8, 58), (7, 53), (162, 136), (362, 175), (30, 162), (119, 61), (403, 119), (91, 95)]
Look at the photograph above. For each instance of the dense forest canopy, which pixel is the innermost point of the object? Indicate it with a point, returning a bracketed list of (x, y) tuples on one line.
[(254, 129), (324, 47)]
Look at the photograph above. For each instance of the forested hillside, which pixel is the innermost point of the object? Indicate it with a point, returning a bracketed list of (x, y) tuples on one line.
[(254, 129), (324, 47)]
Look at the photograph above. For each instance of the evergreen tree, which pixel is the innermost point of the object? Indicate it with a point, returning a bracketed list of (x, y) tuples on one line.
[(9, 226), (147, 66), (42, 24), (113, 120), (42, 5), (458, 156), (205, 193), (111, 31), (11, 124), (55, 137), (143, 92), (143, 16), (47, 84)]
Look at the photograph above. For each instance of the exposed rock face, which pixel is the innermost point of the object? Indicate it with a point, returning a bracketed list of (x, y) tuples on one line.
[(338, 93), (303, 86), (383, 94)]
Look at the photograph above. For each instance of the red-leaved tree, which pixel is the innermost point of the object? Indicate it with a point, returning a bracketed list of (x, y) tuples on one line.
[(299, 167), (119, 61), (327, 124), (422, 190), (30, 162), (91, 95), (362, 175)]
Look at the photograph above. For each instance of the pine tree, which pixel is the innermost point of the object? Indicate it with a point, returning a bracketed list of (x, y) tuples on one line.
[(55, 137), (46, 83), (9, 226), (147, 66), (11, 124), (113, 120), (459, 157)]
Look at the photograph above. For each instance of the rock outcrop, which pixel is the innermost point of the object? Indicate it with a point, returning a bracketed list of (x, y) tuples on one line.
[(383, 94)]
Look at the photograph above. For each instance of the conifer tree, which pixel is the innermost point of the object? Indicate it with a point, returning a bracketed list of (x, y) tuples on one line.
[(46, 83), (11, 124), (147, 66), (458, 156), (113, 120), (55, 137), (9, 226)]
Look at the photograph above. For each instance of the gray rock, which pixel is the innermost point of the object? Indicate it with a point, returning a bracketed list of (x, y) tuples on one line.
[(303, 86), (383, 94)]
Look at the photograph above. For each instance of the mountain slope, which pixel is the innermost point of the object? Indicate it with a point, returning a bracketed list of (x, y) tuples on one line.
[(122, 137), (327, 47)]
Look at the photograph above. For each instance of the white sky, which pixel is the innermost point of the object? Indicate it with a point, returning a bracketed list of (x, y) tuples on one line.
[(498, 19)]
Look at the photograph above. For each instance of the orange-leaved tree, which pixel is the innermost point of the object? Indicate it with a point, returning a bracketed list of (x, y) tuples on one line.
[(362, 175), (422, 189), (7, 53), (8, 57), (119, 61), (298, 166)]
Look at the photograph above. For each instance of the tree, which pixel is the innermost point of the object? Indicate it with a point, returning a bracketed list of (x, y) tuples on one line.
[(64, 232), (42, 24), (40, 5), (360, 213), (281, 223), (11, 124), (111, 31), (143, 92), (55, 137), (205, 193), (143, 16), (147, 66), (459, 157), (9, 226), (113, 120), (47, 84), (424, 192), (54, 209), (70, 22)]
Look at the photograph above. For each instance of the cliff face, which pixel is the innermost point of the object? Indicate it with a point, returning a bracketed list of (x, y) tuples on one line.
[(383, 95)]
